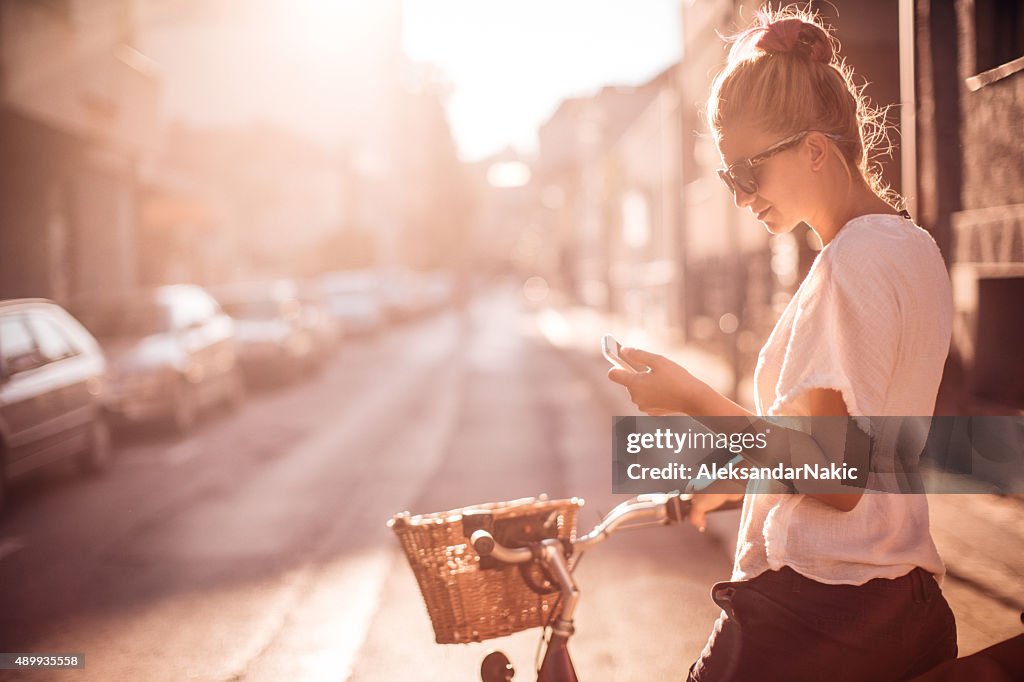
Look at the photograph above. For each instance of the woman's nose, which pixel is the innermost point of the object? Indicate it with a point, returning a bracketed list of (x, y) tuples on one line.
[(743, 199)]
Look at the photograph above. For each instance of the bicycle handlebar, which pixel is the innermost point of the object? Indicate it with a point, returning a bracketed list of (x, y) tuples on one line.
[(643, 510), (639, 512)]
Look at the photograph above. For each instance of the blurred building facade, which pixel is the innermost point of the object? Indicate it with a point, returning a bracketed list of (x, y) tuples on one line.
[(641, 173), (303, 170), (971, 184), (239, 203), (180, 234), (349, 162), (433, 192), (556, 174), (78, 113), (593, 185), (507, 226)]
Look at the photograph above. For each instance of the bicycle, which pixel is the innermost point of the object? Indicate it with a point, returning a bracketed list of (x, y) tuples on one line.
[(537, 536), (548, 559)]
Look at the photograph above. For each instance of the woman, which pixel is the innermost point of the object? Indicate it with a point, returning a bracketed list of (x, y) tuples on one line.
[(836, 586)]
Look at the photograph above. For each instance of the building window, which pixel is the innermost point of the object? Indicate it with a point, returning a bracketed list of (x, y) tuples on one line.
[(998, 32)]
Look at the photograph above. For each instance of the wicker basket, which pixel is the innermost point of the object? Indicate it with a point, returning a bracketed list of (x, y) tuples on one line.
[(469, 599)]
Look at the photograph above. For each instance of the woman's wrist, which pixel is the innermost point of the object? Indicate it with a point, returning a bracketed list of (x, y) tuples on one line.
[(699, 399), (706, 401)]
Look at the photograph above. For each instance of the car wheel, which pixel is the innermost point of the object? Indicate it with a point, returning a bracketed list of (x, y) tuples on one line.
[(185, 408), (101, 448)]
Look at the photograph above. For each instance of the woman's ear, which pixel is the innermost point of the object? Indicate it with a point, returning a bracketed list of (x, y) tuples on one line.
[(817, 147)]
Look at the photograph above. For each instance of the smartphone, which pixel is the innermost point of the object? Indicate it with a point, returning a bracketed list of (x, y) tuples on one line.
[(613, 353)]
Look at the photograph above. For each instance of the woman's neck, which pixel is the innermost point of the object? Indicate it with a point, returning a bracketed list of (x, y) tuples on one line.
[(862, 202)]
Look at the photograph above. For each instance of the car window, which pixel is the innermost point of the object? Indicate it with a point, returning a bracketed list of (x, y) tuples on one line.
[(205, 306), (187, 309), (82, 342), (196, 307), (181, 313), (18, 351), (51, 340)]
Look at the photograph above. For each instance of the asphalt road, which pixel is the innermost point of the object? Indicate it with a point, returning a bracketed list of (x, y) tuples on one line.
[(256, 548)]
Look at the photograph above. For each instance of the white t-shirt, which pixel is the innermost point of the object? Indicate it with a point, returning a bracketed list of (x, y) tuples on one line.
[(871, 320)]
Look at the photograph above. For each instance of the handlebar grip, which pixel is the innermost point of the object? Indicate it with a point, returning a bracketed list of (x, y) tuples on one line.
[(482, 541), (678, 508)]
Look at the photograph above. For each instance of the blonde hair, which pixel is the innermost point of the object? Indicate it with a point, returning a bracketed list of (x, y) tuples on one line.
[(784, 75)]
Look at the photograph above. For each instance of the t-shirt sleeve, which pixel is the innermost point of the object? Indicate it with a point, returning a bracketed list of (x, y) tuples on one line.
[(845, 335)]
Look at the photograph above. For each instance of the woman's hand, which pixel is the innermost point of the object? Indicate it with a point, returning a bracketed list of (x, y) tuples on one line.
[(666, 389), (702, 503)]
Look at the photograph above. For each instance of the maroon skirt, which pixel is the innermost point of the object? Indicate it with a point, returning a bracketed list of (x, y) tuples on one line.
[(783, 626)]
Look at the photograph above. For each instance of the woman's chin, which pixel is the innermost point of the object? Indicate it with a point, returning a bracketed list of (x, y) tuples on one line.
[(776, 227)]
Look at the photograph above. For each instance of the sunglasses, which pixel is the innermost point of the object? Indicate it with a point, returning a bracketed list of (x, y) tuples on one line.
[(740, 175)]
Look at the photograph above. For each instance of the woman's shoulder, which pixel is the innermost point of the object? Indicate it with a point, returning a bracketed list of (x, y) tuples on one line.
[(879, 234), (881, 243)]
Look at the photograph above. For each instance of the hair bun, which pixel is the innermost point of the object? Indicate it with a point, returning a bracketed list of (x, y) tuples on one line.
[(794, 36)]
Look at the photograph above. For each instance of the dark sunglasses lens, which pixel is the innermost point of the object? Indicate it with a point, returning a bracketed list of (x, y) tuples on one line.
[(743, 177), (740, 179)]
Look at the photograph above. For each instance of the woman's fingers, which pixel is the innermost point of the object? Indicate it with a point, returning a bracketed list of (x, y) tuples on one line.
[(621, 376), (642, 357), (655, 391), (636, 394), (698, 518), (702, 503)]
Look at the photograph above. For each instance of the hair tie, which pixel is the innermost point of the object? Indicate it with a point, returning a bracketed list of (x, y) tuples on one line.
[(793, 36)]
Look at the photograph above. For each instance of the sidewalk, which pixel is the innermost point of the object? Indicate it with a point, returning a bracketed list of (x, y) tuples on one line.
[(980, 537)]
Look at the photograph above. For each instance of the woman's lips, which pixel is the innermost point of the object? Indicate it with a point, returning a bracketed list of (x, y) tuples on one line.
[(762, 214)]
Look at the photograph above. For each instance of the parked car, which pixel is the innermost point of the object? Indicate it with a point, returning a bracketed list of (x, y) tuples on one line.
[(274, 341), (355, 300), (171, 351), (400, 296), (407, 294), (318, 320), (51, 391), (437, 290)]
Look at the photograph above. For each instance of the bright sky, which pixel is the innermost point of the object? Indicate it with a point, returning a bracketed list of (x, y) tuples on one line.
[(511, 62)]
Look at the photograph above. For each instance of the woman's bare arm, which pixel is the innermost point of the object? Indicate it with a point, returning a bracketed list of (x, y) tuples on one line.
[(670, 389)]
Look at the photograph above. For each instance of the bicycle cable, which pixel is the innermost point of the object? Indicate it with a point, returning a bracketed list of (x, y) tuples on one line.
[(537, 662)]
